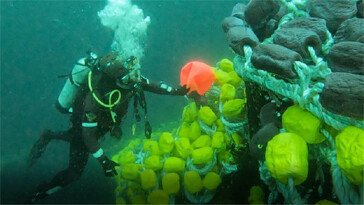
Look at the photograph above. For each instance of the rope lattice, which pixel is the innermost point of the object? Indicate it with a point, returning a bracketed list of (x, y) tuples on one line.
[(305, 92)]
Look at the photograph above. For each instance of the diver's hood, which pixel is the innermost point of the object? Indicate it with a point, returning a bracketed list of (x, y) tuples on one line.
[(112, 65)]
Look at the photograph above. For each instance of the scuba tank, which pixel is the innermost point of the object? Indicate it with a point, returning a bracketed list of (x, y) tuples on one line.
[(76, 79)]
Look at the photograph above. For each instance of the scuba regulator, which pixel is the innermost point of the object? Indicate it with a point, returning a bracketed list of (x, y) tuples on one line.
[(92, 61)]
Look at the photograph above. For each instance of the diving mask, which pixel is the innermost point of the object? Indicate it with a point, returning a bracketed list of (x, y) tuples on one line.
[(130, 62), (134, 74)]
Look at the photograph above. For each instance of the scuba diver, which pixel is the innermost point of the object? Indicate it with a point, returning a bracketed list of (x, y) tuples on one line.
[(96, 95)]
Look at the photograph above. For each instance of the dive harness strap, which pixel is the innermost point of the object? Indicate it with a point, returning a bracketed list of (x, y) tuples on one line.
[(111, 104), (139, 98), (70, 75)]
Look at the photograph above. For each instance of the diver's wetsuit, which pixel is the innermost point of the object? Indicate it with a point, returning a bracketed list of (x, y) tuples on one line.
[(91, 121)]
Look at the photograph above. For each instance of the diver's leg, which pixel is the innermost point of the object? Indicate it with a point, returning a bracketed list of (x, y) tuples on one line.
[(41, 144), (77, 162)]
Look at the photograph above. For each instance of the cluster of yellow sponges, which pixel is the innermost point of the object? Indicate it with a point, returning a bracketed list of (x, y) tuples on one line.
[(287, 155), (154, 170), (164, 170), (230, 84)]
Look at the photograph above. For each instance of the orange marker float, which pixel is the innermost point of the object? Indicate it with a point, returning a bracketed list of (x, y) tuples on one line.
[(197, 76)]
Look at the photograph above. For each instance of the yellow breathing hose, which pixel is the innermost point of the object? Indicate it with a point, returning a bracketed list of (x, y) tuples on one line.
[(110, 105)]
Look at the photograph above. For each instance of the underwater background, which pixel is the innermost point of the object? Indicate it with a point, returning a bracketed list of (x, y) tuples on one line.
[(41, 40)]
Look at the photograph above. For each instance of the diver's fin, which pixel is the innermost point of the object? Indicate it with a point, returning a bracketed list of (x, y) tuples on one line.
[(39, 147), (43, 190)]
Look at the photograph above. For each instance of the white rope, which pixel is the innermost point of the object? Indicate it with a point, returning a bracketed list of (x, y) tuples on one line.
[(207, 129)]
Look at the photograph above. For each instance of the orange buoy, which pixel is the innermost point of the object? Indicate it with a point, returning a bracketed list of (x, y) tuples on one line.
[(197, 76)]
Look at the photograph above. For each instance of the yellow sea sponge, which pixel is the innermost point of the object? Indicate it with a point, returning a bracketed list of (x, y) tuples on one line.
[(134, 143), (158, 197), (302, 123), (350, 153), (195, 131), (227, 139), (153, 162), (221, 77), (151, 146), (206, 115), (139, 199), (130, 171), (226, 65), (235, 80), (256, 195), (224, 156), (130, 192), (190, 112), (120, 179), (220, 126), (325, 202), (126, 157), (218, 141), (193, 182), (184, 130), (148, 179), (115, 158), (170, 183), (211, 181), (183, 148), (287, 157), (119, 190), (132, 188), (166, 143), (227, 92), (202, 155), (233, 108), (174, 164), (120, 201), (238, 140), (202, 141)]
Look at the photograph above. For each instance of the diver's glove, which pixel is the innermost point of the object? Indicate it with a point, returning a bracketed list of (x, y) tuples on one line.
[(116, 131), (181, 90), (108, 166)]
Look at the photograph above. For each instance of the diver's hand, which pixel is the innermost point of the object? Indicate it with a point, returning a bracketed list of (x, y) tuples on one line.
[(108, 166), (116, 132), (182, 90)]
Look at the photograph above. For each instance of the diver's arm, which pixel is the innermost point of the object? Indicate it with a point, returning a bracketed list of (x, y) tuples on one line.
[(161, 88)]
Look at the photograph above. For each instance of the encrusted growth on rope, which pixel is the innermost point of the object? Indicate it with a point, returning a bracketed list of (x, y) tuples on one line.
[(305, 93)]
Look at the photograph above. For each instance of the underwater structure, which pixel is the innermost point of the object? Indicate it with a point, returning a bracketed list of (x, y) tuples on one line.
[(290, 104), (307, 56)]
